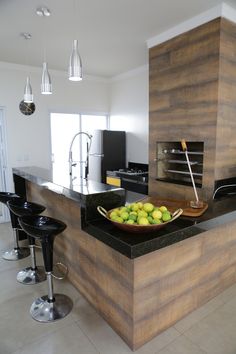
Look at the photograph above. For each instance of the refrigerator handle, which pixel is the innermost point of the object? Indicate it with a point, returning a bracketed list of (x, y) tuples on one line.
[(96, 155)]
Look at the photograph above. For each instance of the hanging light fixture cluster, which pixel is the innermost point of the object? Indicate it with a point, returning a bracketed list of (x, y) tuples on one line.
[(74, 71)]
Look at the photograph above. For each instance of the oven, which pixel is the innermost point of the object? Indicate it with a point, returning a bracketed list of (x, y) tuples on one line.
[(134, 178)]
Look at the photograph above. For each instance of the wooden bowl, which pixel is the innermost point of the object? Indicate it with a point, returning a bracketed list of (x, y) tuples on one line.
[(138, 228)]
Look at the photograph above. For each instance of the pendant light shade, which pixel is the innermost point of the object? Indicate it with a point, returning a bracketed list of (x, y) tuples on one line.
[(75, 65), (28, 95), (46, 84)]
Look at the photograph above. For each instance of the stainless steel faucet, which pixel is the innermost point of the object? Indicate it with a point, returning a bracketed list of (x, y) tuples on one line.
[(74, 163)]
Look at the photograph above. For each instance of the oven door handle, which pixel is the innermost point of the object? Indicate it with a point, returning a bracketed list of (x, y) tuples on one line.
[(129, 180), (133, 181)]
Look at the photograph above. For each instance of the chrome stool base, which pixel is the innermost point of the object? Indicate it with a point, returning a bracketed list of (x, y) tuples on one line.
[(28, 276), (43, 311), (16, 254)]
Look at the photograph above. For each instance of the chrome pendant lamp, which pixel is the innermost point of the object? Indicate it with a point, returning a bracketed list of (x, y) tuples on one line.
[(46, 83), (75, 64), (28, 94)]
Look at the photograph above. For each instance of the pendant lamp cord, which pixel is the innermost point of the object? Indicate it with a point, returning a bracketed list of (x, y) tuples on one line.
[(27, 56)]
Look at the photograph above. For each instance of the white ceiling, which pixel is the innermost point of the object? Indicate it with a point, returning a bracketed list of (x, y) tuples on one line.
[(112, 34)]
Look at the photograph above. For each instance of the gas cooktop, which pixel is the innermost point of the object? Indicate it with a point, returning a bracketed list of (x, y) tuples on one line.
[(132, 172)]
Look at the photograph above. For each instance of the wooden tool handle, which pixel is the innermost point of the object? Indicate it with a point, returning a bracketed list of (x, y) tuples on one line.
[(184, 145)]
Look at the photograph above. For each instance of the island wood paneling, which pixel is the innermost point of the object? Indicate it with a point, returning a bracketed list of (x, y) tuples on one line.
[(171, 282), (141, 297), (103, 276)]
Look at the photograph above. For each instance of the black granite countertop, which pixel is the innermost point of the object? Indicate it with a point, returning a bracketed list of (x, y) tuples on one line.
[(132, 245), (60, 185)]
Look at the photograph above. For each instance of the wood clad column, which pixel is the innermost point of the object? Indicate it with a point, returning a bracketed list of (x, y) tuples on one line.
[(184, 79), (226, 122)]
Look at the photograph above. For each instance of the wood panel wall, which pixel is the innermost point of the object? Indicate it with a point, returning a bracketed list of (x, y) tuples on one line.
[(140, 298), (226, 122), (183, 100), (192, 96)]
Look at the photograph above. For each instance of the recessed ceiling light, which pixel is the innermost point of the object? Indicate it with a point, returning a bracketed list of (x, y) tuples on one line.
[(43, 11), (26, 35)]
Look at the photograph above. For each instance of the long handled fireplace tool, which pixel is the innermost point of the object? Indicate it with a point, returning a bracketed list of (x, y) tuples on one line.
[(193, 203)]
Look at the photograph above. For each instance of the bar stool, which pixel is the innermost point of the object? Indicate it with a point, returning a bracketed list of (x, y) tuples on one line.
[(33, 274), (50, 307), (17, 252)]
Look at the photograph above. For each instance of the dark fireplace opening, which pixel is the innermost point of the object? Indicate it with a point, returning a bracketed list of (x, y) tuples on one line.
[(171, 163)]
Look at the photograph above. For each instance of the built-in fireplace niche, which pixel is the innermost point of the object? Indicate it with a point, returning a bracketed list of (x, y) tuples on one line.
[(171, 163)]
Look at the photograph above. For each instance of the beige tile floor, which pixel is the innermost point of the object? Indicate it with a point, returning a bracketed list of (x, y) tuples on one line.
[(210, 329)]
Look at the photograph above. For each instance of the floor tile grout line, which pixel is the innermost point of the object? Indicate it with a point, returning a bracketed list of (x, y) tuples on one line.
[(76, 322), (43, 335), (203, 350), (169, 342), (204, 316)]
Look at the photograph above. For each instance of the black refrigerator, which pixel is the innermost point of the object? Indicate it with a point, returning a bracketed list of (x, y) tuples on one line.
[(108, 153)]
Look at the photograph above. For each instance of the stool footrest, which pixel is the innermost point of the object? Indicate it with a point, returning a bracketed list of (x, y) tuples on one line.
[(64, 275)]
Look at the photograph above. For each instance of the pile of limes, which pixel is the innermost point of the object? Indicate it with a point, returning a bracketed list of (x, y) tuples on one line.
[(140, 214)]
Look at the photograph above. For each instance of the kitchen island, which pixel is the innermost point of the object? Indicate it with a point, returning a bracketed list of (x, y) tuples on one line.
[(141, 284)]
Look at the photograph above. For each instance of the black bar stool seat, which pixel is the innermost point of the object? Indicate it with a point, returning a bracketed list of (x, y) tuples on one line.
[(33, 274), (50, 307), (17, 252)]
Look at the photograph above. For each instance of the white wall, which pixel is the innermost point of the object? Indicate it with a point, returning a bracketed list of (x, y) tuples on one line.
[(28, 137), (129, 111)]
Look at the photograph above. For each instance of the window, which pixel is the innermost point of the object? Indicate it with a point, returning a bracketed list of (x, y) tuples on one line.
[(63, 129)]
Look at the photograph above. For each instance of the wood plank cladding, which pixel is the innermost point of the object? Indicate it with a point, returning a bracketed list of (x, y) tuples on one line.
[(103, 276), (140, 298), (226, 122), (172, 282), (192, 95)]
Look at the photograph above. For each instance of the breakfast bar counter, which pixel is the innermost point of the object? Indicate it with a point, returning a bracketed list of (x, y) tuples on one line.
[(140, 283)]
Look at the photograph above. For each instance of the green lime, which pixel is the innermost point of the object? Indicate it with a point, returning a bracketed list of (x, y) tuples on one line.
[(119, 219), (143, 221), (142, 213), (124, 215), (140, 205), (150, 219), (130, 222), (113, 215), (163, 208), (166, 216), (132, 217), (133, 213), (148, 207), (134, 207), (157, 214), (157, 221)]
